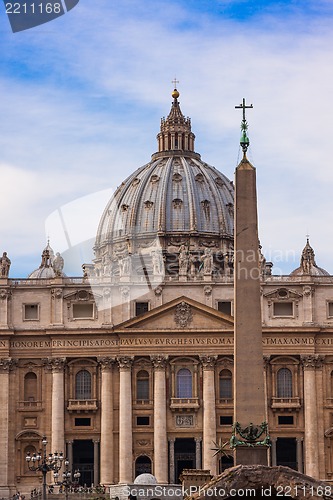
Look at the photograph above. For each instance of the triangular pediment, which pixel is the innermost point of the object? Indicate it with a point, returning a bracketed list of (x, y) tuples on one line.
[(180, 314)]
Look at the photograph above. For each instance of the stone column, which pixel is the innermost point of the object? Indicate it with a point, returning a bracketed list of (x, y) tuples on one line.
[(125, 421), (5, 295), (58, 404), (96, 462), (273, 451), (70, 454), (6, 365), (197, 452), (172, 460), (209, 413), (106, 449), (299, 454), (311, 462), (160, 432)]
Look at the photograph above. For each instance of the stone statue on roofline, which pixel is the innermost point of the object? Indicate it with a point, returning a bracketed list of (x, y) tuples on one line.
[(4, 265)]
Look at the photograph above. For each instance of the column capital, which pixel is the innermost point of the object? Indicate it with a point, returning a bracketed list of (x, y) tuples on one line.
[(198, 439), (106, 363), (7, 364), (56, 365), (172, 440), (312, 361), (159, 361), (208, 362), (125, 362), (266, 360)]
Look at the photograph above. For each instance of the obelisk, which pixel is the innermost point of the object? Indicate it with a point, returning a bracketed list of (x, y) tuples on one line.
[(249, 397)]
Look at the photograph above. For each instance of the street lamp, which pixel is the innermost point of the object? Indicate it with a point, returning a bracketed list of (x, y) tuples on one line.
[(41, 462), (67, 482)]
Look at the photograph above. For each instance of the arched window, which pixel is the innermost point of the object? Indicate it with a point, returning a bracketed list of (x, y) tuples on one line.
[(225, 380), (184, 383), (30, 387), (142, 385), (284, 383), (83, 385), (142, 465)]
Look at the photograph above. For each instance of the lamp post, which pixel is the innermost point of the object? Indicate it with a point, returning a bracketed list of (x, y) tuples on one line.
[(67, 482), (41, 462)]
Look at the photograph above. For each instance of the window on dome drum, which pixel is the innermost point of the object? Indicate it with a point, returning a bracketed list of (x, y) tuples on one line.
[(142, 386), (284, 383), (225, 384), (184, 383), (330, 309), (30, 312), (283, 308), (83, 385), (30, 387), (224, 306), (83, 311), (141, 308)]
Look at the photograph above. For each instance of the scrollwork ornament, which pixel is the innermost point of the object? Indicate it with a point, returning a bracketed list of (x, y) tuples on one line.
[(208, 362), (312, 361), (5, 294), (7, 364), (125, 362), (55, 365), (56, 293), (159, 361), (106, 363)]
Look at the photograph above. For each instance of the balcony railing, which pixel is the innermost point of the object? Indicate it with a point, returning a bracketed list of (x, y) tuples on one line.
[(83, 405), (285, 403), (184, 404), (29, 405)]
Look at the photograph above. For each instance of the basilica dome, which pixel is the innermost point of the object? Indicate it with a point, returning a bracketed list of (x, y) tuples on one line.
[(175, 199)]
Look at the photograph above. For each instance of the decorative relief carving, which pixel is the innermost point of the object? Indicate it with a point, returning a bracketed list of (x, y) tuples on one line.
[(208, 362), (177, 203), (199, 178), (154, 178), (312, 360), (125, 362), (148, 204), (125, 290), (7, 364), (184, 420), (159, 361), (144, 442), (208, 290), (106, 363), (226, 362), (177, 177), (158, 290), (308, 291), (183, 315)]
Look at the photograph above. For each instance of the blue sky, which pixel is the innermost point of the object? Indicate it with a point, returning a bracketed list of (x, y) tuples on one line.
[(82, 97)]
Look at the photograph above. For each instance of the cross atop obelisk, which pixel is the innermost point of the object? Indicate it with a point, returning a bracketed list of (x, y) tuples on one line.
[(250, 438)]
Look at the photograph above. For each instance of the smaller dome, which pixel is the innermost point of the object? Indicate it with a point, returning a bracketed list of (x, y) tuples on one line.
[(145, 479), (308, 264), (51, 265)]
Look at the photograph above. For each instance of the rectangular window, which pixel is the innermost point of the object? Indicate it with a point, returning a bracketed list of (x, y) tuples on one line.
[(330, 309), (82, 422), (226, 420), (224, 307), (31, 312), (285, 420), (283, 309), (142, 420), (83, 311), (141, 308)]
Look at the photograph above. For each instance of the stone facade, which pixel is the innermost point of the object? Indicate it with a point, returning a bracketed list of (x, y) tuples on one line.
[(129, 369)]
